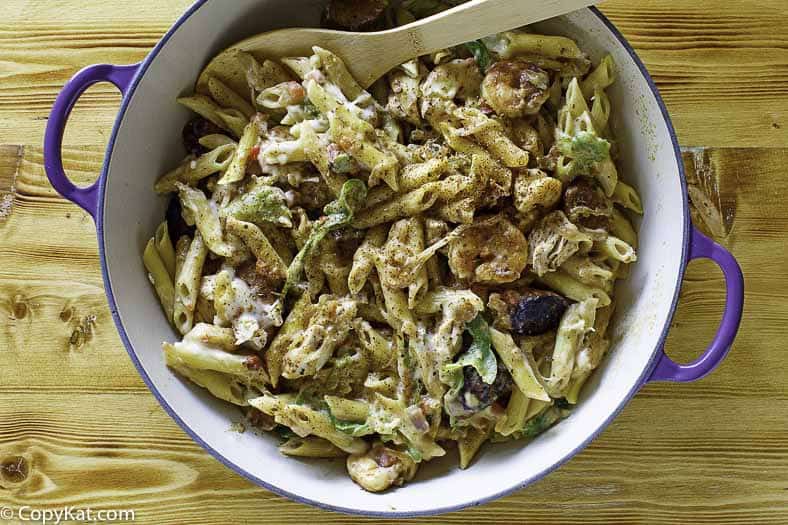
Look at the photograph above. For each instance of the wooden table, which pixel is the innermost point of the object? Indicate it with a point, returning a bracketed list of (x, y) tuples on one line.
[(73, 406)]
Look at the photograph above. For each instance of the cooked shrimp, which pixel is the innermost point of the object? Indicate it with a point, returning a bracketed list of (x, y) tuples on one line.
[(515, 88), (492, 250)]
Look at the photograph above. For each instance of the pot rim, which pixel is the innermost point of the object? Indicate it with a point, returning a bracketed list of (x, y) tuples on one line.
[(645, 374)]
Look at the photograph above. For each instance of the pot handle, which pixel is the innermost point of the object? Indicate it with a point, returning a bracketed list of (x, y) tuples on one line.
[(121, 77), (668, 370)]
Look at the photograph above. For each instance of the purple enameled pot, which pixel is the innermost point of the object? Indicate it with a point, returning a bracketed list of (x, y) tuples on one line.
[(145, 142)]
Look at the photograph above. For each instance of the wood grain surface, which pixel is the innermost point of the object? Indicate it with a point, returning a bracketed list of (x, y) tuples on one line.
[(78, 427)]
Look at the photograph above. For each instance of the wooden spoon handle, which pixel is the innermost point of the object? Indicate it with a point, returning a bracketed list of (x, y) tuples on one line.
[(480, 18)]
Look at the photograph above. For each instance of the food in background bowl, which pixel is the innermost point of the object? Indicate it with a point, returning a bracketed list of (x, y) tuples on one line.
[(379, 273)]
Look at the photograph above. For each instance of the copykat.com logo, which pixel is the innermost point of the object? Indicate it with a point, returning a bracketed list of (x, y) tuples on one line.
[(66, 514)]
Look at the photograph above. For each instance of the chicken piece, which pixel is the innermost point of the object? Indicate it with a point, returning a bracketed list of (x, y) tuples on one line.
[(491, 250), (456, 80), (554, 240), (380, 468), (459, 79)]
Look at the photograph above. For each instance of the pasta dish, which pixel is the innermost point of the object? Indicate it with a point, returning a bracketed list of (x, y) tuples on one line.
[(387, 274)]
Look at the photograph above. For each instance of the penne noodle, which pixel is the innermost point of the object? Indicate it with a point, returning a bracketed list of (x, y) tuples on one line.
[(625, 195), (374, 272), (159, 277), (193, 171), (600, 110), (165, 248), (216, 140), (187, 284), (471, 443), (232, 120), (403, 205), (573, 289), (600, 78), (311, 447), (513, 43), (347, 409), (338, 74), (205, 107), (227, 98), (621, 227), (615, 248), (236, 170)]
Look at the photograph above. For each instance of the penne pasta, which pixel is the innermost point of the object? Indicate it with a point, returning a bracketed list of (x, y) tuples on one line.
[(193, 171), (573, 289), (513, 43), (365, 257), (471, 443), (311, 447), (205, 107), (377, 272), (227, 98), (338, 74), (625, 195), (187, 284), (306, 421), (347, 409), (516, 412), (600, 78), (575, 323), (268, 260), (403, 205), (206, 218), (159, 277), (165, 248), (349, 132), (621, 227), (519, 365), (615, 248), (236, 170)]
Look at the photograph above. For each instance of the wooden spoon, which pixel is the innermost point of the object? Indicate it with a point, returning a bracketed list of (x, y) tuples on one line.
[(369, 56)]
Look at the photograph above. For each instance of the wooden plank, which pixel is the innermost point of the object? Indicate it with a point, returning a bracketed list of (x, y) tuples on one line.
[(688, 45), (43, 43), (56, 330), (721, 68), (10, 157), (123, 451), (749, 184)]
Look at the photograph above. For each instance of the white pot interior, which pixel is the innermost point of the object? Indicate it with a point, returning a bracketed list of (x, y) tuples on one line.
[(148, 143)]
